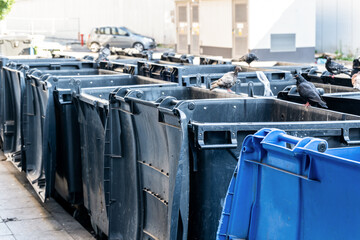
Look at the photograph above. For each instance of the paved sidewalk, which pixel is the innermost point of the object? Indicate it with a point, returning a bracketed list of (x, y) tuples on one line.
[(24, 217)]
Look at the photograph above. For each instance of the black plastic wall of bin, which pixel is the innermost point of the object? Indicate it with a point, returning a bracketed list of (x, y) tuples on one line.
[(213, 61), (146, 210), (248, 82), (132, 61), (5, 60), (172, 73), (11, 117), (342, 99), (40, 142), (198, 75), (293, 68), (120, 67), (77, 72), (10, 132), (50, 63), (92, 117), (184, 153), (13, 98), (62, 65), (15, 89), (68, 178), (327, 78)]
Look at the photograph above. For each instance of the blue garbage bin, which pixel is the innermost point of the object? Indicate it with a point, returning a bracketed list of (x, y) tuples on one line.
[(286, 187)]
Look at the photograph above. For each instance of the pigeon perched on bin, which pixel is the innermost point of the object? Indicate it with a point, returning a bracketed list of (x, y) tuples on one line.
[(355, 80), (104, 53), (186, 59), (249, 58), (356, 66), (336, 68), (308, 92), (227, 81)]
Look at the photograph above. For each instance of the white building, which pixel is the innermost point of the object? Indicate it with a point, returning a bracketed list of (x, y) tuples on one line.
[(69, 18), (273, 29), (338, 26), (276, 29)]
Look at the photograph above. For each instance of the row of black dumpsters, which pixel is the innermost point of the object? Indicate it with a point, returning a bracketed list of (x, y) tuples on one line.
[(144, 145)]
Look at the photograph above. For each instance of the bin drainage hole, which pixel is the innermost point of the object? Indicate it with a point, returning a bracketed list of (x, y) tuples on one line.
[(282, 117)]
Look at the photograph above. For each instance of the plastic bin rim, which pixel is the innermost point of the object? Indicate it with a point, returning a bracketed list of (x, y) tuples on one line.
[(92, 100)]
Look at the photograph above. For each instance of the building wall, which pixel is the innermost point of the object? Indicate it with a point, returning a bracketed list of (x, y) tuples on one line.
[(265, 18), (338, 26), (66, 18), (282, 17), (215, 27)]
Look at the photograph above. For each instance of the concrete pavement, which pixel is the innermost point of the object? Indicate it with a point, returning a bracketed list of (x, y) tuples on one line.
[(24, 217)]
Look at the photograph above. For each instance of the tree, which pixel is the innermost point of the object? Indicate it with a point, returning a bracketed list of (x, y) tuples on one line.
[(5, 7)]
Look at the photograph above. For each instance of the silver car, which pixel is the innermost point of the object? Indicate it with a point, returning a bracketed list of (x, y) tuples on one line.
[(120, 37)]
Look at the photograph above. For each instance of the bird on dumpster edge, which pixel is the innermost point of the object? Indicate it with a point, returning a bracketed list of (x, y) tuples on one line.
[(308, 92), (227, 81), (249, 58), (336, 68), (104, 53), (356, 66), (355, 80)]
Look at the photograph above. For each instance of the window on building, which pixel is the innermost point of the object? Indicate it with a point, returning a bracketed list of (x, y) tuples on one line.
[(182, 14), (283, 42)]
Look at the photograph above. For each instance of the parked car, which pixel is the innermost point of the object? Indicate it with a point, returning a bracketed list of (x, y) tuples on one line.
[(120, 37)]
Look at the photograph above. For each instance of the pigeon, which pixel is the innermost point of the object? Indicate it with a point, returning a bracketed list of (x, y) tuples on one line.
[(227, 81), (262, 77), (249, 58), (336, 68), (308, 92), (356, 66), (104, 53), (183, 57), (88, 57), (355, 80), (186, 59), (164, 56), (149, 54), (171, 54)]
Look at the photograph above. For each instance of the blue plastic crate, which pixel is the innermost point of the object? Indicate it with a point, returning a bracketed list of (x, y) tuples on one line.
[(291, 188)]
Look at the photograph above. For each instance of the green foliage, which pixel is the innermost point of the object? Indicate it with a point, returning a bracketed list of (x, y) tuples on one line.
[(5, 7), (345, 58), (341, 56)]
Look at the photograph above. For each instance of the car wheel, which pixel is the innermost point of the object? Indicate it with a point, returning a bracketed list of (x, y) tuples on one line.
[(139, 47), (94, 47)]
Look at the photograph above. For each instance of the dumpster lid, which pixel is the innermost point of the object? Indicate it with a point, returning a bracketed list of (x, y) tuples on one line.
[(286, 187)]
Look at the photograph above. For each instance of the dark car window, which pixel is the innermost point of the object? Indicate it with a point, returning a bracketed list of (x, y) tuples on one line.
[(102, 31), (122, 32), (107, 31), (114, 31), (96, 31), (129, 30)]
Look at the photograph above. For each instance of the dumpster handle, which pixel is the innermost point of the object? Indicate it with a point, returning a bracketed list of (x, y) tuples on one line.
[(289, 139), (233, 143), (281, 170), (208, 146), (349, 142), (347, 138)]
